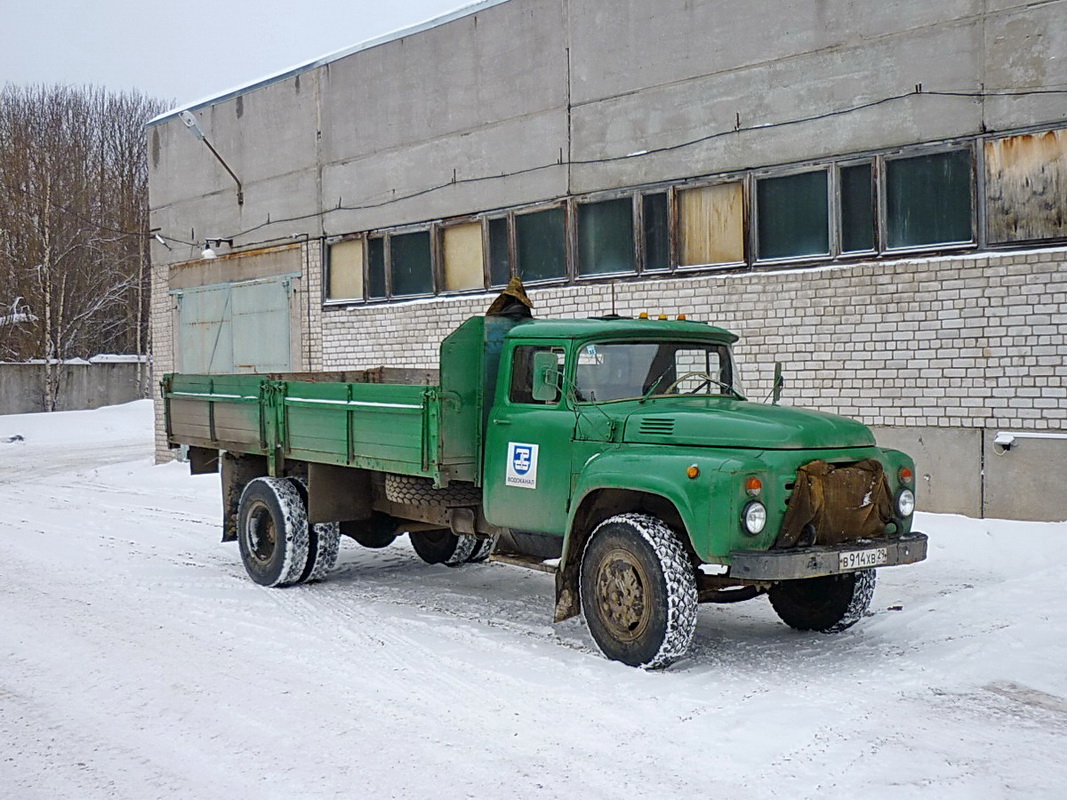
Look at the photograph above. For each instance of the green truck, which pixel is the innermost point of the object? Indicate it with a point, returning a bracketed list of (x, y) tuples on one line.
[(618, 454)]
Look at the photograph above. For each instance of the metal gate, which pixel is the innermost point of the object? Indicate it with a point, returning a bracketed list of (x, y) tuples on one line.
[(235, 327)]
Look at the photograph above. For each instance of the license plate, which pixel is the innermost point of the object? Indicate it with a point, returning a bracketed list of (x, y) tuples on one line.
[(861, 559)]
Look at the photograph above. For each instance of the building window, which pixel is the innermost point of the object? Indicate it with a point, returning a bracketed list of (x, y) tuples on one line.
[(461, 250), (376, 288), (606, 237), (541, 244), (858, 211), (711, 225), (1026, 187), (928, 199), (656, 231), (411, 264), (499, 251), (793, 215), (345, 270)]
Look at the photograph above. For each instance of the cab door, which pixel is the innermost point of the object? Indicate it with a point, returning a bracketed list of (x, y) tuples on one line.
[(528, 441)]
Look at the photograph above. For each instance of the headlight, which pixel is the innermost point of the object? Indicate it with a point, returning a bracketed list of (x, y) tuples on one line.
[(754, 518), (905, 502)]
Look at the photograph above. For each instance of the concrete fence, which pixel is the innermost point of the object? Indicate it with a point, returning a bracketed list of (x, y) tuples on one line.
[(102, 381)]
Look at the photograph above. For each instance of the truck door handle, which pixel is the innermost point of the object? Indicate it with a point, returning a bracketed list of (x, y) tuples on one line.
[(501, 421)]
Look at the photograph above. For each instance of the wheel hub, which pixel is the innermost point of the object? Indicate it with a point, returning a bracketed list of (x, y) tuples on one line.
[(261, 534), (622, 595)]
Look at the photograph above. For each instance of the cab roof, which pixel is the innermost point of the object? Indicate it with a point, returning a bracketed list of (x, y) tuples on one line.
[(618, 327)]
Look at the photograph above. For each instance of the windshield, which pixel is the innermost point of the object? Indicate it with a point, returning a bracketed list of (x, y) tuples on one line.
[(633, 370)]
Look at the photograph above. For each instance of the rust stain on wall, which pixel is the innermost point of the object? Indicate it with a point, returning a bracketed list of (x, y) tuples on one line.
[(1026, 187)]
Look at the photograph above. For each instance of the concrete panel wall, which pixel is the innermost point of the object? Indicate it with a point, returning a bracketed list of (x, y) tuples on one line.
[(82, 386), (360, 190), (948, 466), (503, 63), (1027, 481)]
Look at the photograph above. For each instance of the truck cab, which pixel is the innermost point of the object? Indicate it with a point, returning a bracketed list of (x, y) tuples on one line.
[(599, 419)]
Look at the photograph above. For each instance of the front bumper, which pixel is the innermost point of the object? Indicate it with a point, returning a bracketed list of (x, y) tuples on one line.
[(814, 562)]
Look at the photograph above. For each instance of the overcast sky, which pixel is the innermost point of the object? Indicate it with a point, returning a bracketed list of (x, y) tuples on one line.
[(189, 50)]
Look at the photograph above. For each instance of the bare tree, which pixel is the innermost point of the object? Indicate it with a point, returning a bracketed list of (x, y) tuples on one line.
[(73, 224)]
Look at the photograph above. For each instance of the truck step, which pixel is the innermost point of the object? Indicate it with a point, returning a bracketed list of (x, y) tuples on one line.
[(529, 562)]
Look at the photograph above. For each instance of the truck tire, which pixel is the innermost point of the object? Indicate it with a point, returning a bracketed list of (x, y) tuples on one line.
[(482, 550), (324, 541), (272, 532), (376, 532), (443, 547), (638, 591), (412, 490), (828, 604)]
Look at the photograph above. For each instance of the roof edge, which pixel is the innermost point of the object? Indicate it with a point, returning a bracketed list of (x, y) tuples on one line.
[(307, 66)]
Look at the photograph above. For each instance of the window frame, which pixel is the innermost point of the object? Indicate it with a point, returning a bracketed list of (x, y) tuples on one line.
[(405, 231), (674, 217), (639, 230), (755, 176), (917, 151), (877, 208), (327, 261), (568, 233), (440, 260), (574, 240)]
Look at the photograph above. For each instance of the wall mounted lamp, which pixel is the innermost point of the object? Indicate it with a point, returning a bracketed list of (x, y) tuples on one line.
[(194, 126)]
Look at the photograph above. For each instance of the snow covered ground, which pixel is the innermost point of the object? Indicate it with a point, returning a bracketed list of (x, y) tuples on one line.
[(138, 661)]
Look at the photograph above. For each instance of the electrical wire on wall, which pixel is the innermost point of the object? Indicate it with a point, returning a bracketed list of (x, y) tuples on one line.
[(738, 128)]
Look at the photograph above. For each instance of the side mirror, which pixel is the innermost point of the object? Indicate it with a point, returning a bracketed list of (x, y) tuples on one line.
[(546, 377), (779, 382)]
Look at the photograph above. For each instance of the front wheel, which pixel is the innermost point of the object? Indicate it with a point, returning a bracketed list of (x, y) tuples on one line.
[(638, 591), (828, 604)]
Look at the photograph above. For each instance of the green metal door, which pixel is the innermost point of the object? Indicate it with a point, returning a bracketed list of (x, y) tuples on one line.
[(528, 449), (235, 327)]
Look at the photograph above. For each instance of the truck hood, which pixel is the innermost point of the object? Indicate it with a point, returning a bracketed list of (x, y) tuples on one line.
[(725, 422)]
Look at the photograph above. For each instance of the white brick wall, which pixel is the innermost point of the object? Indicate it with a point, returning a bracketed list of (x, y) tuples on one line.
[(162, 347), (962, 341), (976, 341)]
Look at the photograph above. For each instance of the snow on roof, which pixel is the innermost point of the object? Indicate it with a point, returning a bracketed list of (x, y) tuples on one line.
[(459, 13)]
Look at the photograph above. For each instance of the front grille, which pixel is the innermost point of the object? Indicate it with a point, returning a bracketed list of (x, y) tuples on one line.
[(837, 502), (657, 426)]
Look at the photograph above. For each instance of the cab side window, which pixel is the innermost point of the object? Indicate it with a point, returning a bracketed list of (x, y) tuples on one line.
[(522, 374)]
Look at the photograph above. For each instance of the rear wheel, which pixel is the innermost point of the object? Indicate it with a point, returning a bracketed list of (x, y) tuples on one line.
[(482, 550), (638, 591), (375, 532), (828, 604), (272, 532), (443, 547), (324, 541)]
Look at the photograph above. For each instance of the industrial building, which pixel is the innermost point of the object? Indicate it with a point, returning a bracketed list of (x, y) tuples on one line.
[(873, 194)]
